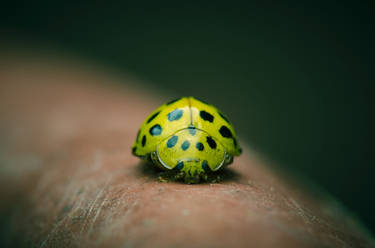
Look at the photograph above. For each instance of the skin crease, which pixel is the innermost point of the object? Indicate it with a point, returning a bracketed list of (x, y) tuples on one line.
[(68, 178)]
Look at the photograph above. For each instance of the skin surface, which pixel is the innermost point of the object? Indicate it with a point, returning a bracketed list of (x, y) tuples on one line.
[(68, 178)]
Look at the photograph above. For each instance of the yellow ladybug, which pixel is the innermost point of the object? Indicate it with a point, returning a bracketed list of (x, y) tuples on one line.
[(187, 137)]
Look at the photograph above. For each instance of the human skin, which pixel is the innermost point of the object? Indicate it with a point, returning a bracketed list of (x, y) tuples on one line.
[(68, 178)]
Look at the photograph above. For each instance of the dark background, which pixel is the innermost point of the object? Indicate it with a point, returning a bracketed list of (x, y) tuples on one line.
[(295, 78)]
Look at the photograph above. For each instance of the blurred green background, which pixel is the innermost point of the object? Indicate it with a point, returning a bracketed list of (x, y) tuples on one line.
[(295, 78)]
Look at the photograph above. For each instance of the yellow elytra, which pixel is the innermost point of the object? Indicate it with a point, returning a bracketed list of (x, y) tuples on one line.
[(188, 136)]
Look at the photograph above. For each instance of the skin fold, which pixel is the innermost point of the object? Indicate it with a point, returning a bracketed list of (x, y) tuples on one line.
[(68, 178)]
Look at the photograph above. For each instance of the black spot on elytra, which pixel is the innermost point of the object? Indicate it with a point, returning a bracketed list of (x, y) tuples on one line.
[(206, 116), (134, 149), (225, 132), (211, 142), (235, 142), (173, 101), (180, 165), (172, 141), (144, 140), (155, 130), (185, 145), (205, 166), (224, 117), (152, 117), (192, 130), (175, 115), (199, 146)]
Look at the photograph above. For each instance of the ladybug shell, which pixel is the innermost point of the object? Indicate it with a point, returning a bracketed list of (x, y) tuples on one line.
[(187, 130)]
